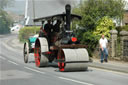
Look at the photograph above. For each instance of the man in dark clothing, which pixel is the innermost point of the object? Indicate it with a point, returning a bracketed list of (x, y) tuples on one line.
[(56, 30), (48, 30), (48, 27), (57, 26)]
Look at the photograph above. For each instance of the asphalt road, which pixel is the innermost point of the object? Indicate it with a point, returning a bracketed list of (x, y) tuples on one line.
[(13, 71)]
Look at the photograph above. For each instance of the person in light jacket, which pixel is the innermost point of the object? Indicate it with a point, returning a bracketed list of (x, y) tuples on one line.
[(103, 48)]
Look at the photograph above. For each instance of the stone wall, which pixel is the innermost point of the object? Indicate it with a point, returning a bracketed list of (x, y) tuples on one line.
[(124, 45), (113, 43)]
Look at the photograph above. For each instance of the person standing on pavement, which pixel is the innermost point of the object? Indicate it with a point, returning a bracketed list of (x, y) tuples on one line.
[(103, 48)]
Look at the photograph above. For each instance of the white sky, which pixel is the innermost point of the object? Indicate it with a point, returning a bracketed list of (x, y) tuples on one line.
[(19, 7)]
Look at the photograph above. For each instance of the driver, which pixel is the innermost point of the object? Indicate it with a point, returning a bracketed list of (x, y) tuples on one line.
[(48, 29), (56, 27), (56, 30)]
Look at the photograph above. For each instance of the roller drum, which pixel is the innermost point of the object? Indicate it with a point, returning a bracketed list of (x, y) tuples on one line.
[(74, 60)]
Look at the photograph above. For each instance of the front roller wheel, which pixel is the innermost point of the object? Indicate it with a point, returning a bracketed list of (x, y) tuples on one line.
[(73, 59), (26, 52), (61, 65), (37, 54)]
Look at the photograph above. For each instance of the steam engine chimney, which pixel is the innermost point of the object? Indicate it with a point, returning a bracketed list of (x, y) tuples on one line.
[(68, 16)]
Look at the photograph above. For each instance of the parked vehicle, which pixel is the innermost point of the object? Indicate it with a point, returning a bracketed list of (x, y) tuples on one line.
[(16, 27)]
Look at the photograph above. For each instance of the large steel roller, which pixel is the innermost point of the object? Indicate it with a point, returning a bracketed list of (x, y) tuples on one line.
[(41, 45), (73, 59)]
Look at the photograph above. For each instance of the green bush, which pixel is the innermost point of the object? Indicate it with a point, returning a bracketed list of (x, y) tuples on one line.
[(79, 34), (26, 32), (5, 22), (125, 28), (91, 41), (122, 28)]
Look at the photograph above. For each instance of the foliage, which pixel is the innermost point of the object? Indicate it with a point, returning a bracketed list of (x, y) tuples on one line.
[(93, 14), (26, 32), (93, 10), (121, 28), (5, 22), (79, 34), (90, 40), (125, 28), (103, 26)]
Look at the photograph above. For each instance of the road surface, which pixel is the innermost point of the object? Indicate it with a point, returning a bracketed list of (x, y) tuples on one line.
[(13, 71)]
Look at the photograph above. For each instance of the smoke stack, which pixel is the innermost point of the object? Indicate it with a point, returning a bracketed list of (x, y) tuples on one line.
[(68, 16)]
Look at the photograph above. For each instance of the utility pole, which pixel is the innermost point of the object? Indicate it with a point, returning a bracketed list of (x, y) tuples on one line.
[(26, 13), (34, 14), (80, 2), (33, 9), (26, 9)]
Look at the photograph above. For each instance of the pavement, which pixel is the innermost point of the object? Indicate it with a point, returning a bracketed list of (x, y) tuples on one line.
[(118, 66)]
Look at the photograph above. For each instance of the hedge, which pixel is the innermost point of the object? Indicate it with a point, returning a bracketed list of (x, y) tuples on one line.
[(26, 32)]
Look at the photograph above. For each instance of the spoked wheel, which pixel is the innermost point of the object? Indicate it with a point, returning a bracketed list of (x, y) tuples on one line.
[(37, 56), (61, 64), (26, 52)]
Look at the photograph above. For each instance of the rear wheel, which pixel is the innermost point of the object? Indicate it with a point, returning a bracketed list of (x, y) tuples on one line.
[(26, 52), (40, 47)]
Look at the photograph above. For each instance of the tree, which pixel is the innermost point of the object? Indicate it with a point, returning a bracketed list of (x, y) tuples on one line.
[(93, 10), (103, 26), (4, 22), (94, 19)]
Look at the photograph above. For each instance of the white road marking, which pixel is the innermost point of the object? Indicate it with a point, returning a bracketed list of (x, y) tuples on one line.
[(34, 70), (76, 81), (12, 62), (2, 58)]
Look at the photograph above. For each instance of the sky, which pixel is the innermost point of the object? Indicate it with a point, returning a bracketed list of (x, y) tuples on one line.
[(19, 6)]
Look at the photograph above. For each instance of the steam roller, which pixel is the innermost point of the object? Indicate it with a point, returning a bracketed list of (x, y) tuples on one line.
[(60, 43), (68, 57)]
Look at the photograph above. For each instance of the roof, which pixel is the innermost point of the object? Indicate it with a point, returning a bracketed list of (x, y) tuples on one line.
[(55, 16)]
